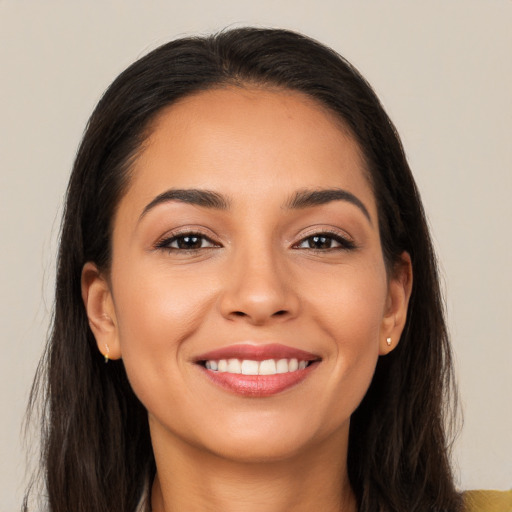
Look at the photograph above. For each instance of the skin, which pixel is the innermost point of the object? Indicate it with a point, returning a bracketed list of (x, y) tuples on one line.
[(254, 279)]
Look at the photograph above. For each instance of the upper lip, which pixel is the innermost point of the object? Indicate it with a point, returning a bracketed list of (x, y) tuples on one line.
[(257, 353)]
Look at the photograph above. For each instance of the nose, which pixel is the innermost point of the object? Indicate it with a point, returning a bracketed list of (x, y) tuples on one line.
[(258, 289)]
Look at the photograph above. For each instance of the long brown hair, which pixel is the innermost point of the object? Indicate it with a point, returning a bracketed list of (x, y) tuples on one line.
[(96, 449)]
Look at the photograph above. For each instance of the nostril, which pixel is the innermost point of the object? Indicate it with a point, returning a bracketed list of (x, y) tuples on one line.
[(280, 313)]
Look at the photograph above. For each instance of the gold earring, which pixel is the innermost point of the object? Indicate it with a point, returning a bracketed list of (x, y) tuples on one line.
[(106, 353), (388, 341)]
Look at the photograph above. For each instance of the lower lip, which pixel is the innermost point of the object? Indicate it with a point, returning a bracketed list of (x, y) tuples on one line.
[(258, 385)]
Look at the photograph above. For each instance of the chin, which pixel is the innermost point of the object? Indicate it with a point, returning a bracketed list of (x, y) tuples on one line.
[(270, 439), (259, 449)]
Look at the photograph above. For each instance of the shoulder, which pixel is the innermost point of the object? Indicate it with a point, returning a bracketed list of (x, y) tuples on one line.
[(488, 501)]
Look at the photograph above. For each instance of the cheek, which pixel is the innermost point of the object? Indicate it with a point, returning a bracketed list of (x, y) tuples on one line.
[(350, 311), (155, 313), (349, 303), (156, 307)]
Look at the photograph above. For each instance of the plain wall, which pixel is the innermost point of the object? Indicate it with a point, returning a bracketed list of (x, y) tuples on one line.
[(443, 70)]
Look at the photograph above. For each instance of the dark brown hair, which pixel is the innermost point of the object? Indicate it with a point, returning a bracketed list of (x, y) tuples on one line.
[(96, 449)]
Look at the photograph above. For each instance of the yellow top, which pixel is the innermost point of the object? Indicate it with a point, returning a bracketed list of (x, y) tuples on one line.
[(488, 501)]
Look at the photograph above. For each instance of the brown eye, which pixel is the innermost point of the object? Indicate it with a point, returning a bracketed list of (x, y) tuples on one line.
[(325, 241), (320, 242), (187, 242)]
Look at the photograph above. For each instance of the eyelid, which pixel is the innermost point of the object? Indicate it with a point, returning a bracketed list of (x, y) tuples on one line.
[(163, 241), (320, 229), (341, 236)]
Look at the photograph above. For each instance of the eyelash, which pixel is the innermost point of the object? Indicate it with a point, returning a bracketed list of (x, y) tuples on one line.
[(344, 243), (166, 242)]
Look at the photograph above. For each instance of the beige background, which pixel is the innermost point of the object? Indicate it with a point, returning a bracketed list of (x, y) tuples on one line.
[(443, 70)]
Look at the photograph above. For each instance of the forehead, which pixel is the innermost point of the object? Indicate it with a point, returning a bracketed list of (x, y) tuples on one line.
[(248, 141)]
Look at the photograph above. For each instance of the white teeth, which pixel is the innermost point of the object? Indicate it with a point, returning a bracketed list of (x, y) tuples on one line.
[(267, 367), (234, 366), (282, 366), (250, 367)]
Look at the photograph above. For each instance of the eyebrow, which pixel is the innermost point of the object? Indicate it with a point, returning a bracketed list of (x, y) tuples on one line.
[(204, 198), (308, 198), (301, 199)]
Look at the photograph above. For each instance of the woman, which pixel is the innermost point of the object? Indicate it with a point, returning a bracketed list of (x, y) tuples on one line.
[(244, 246)]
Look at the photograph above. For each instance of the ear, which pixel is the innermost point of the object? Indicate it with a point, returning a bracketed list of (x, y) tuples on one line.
[(99, 305), (395, 314)]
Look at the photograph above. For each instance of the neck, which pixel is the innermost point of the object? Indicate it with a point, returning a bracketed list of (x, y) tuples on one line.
[(189, 479)]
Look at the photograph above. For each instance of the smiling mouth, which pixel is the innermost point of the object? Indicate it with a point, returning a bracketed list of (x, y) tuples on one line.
[(254, 370), (252, 367)]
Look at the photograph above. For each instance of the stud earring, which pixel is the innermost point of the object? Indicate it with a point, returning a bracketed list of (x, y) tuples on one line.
[(388, 342), (106, 353)]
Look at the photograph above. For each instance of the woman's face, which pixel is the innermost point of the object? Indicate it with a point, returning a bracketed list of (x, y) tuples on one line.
[(248, 241)]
